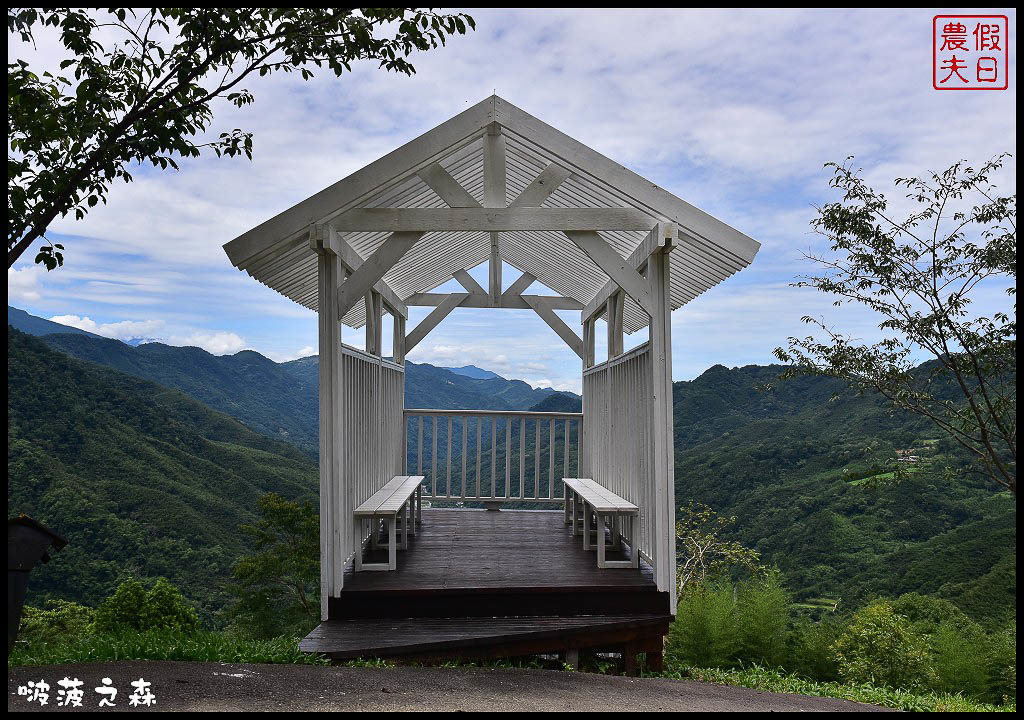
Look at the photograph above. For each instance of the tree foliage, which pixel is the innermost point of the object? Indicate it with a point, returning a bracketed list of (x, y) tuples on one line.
[(920, 274), (132, 608), (147, 95), (701, 549), (879, 647), (277, 586)]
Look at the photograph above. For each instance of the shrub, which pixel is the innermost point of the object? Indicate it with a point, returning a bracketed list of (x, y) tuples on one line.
[(762, 617), (879, 648), (960, 656), (810, 648), (132, 608), (166, 609), (704, 632), (927, 612), (1003, 663), (122, 610), (63, 621)]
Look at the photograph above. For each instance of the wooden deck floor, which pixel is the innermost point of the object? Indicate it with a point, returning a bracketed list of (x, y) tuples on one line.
[(483, 583), (479, 550)]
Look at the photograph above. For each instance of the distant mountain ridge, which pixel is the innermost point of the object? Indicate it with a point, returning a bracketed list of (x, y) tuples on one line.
[(141, 479), (279, 400), (474, 372), (791, 465), (21, 320)]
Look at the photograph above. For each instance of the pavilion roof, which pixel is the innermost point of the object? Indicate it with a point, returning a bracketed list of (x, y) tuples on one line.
[(278, 252)]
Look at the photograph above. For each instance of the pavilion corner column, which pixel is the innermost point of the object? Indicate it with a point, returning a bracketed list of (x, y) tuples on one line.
[(334, 518), (661, 422)]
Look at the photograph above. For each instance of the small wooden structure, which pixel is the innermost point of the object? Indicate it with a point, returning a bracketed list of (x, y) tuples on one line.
[(495, 184), (28, 544)]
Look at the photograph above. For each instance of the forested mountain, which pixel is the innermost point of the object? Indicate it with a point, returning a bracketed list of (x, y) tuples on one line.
[(38, 326), (811, 482), (276, 399), (140, 478), (150, 481)]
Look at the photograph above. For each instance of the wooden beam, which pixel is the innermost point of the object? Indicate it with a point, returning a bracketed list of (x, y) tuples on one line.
[(615, 267), (430, 321), (398, 339), (334, 514), (494, 168), (662, 445), (494, 269), (543, 309), (351, 260), (588, 343), (447, 187), (660, 237), (491, 219), (466, 280), (589, 163), (507, 302), (522, 282), (374, 310), (433, 145), (613, 315), (374, 268), (542, 186)]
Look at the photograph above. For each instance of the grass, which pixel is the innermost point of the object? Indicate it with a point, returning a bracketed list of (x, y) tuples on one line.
[(207, 646), (201, 646), (760, 678)]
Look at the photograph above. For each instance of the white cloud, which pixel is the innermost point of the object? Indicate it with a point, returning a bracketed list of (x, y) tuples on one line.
[(122, 330), (735, 111), (215, 343), (23, 284)]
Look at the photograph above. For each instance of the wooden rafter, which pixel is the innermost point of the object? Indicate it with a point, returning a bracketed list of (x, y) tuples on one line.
[(542, 307), (447, 187), (351, 260), (428, 323), (466, 280), (522, 282), (615, 267), (542, 186), (660, 237), (374, 268)]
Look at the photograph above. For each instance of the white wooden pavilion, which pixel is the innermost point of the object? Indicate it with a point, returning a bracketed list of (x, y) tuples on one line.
[(496, 185)]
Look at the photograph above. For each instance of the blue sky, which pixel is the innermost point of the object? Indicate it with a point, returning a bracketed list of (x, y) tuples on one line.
[(735, 112)]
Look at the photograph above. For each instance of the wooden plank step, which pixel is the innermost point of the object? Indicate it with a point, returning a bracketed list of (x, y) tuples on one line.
[(480, 636)]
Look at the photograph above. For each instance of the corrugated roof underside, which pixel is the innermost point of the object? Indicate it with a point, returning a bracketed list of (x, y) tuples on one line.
[(550, 256)]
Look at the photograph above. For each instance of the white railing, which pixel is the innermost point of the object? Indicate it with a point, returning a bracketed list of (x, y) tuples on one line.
[(374, 393), (617, 416), (492, 455)]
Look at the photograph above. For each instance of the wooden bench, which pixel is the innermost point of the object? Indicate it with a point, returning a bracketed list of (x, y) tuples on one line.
[(584, 497), (393, 502)]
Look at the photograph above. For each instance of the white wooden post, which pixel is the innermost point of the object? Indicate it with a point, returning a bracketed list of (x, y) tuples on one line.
[(334, 515), (661, 421), (398, 339)]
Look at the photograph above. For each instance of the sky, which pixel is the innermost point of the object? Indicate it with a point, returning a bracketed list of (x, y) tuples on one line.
[(735, 112)]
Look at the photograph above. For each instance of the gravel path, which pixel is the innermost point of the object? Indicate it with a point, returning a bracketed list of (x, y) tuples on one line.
[(188, 686)]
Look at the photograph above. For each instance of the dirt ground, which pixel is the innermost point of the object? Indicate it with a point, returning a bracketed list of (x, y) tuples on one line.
[(188, 686)]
